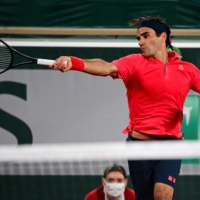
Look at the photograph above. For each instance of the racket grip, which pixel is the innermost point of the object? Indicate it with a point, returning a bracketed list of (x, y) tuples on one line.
[(45, 62)]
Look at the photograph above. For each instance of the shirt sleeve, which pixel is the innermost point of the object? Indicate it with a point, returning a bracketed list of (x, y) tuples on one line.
[(196, 80), (126, 66)]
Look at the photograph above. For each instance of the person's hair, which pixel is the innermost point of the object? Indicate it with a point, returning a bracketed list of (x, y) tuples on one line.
[(114, 168), (135, 22)]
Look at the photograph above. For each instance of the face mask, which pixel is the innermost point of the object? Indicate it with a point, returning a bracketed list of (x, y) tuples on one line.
[(114, 189)]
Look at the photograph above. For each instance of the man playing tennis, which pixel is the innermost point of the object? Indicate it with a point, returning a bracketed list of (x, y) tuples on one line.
[(157, 84)]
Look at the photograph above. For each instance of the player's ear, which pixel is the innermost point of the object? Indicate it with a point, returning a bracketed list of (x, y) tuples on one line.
[(164, 36)]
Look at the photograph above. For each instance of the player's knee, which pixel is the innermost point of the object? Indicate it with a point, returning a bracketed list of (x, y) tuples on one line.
[(163, 192), (162, 196)]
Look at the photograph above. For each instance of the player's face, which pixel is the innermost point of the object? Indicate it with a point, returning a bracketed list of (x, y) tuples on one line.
[(148, 41)]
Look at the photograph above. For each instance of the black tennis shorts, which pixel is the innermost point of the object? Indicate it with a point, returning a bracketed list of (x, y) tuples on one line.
[(145, 173)]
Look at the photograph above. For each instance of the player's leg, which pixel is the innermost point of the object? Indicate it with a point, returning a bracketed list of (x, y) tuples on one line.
[(166, 173), (163, 192), (142, 179), (141, 174)]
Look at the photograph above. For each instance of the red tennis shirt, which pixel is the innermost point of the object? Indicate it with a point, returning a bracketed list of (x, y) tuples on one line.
[(98, 194), (156, 92)]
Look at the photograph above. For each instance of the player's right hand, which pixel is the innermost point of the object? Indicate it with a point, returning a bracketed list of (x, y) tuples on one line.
[(62, 64)]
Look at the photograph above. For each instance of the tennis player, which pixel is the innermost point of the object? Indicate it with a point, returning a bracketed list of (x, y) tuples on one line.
[(157, 84), (114, 183)]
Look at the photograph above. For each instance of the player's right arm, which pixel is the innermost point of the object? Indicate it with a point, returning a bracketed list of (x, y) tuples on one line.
[(97, 67)]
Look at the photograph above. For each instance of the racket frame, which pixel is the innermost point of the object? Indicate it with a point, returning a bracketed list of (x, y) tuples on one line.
[(12, 51)]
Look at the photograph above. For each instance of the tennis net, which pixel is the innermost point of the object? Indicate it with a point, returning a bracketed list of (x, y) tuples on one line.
[(70, 171)]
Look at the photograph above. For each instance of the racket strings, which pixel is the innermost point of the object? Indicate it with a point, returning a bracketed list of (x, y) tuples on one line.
[(5, 58)]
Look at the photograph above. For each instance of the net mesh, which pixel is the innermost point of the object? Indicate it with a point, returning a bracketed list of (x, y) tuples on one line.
[(70, 171), (5, 57)]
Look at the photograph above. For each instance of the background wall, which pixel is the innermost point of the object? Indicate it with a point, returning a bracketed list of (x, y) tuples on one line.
[(96, 13), (38, 105)]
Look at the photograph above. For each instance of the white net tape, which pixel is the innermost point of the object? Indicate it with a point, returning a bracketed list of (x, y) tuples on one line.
[(101, 151), (91, 158)]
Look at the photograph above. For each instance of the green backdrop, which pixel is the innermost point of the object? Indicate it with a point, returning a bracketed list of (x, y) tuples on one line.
[(75, 187), (95, 13)]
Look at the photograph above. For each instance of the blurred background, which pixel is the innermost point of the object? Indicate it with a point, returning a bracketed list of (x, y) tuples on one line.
[(39, 105), (43, 106)]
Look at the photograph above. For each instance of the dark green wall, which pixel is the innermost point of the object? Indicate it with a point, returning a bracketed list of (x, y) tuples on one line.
[(95, 13), (75, 187)]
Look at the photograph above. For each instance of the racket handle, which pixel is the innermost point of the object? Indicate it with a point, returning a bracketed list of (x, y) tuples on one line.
[(45, 62)]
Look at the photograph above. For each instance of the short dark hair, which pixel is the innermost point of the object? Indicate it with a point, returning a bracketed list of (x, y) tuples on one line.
[(135, 22), (114, 168)]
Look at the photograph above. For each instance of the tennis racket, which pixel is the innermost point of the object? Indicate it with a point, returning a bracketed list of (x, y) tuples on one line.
[(7, 57)]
